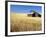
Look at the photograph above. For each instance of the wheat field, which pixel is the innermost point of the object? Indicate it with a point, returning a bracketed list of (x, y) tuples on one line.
[(21, 22)]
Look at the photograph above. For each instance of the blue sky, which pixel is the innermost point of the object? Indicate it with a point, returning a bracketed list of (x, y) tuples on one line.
[(25, 8)]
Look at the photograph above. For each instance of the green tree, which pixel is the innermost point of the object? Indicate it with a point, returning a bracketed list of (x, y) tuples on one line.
[(33, 11)]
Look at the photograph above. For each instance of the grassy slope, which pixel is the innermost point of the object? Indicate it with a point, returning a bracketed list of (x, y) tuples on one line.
[(20, 22)]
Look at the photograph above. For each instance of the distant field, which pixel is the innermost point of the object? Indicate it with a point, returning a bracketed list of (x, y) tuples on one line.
[(21, 22)]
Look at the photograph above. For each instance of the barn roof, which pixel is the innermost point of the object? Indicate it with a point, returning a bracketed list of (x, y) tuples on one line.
[(32, 11)]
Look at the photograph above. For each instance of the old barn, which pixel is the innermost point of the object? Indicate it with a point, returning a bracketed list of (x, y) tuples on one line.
[(34, 14)]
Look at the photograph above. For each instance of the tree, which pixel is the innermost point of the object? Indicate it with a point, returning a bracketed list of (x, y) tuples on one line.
[(32, 11)]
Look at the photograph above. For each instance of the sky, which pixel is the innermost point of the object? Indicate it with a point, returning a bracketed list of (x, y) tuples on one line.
[(25, 9)]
